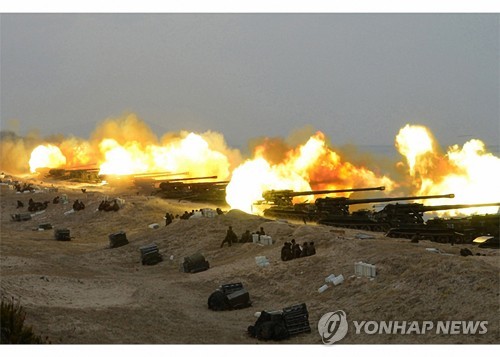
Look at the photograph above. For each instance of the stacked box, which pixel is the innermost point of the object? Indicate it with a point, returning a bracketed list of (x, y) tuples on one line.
[(266, 240), (296, 319), (150, 255), (229, 296), (118, 239), (365, 269)]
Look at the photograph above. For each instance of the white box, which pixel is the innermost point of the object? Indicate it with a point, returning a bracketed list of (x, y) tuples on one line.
[(255, 238), (329, 278), (323, 288), (266, 240), (338, 280), (365, 269)]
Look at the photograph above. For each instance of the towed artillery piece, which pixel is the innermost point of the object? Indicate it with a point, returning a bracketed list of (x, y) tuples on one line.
[(90, 175), (182, 189), (444, 230), (335, 212), (282, 206)]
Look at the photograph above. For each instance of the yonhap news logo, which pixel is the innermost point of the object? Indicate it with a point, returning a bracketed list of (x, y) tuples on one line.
[(333, 327)]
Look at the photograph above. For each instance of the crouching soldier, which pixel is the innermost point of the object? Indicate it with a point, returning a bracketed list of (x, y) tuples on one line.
[(231, 237)]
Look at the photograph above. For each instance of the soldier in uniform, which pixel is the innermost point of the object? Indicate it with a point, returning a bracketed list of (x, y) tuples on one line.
[(246, 237), (231, 237)]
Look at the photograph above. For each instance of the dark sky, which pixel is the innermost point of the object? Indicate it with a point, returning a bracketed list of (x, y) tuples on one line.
[(358, 78)]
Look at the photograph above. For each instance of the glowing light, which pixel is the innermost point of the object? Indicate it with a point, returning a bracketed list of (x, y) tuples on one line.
[(413, 141), (46, 156), (313, 161)]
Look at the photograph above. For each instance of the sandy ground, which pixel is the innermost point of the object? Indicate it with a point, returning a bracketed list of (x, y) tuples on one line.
[(83, 292)]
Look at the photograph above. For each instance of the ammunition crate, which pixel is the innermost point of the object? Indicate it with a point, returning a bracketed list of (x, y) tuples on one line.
[(62, 234), (117, 239), (150, 254), (296, 319), (21, 217)]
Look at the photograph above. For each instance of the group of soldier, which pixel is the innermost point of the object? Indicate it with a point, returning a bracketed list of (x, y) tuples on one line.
[(78, 205), (108, 206), (292, 250), (246, 237)]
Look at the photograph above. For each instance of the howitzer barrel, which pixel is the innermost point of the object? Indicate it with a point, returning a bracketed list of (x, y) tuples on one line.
[(192, 178), (329, 201), (306, 193), (457, 206), (272, 195)]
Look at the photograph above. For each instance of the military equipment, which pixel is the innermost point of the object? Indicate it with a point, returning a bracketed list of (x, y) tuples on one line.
[(90, 175), (449, 230), (20, 217), (195, 263), (285, 197), (282, 206), (229, 296), (184, 189), (335, 212), (150, 254), (62, 234), (45, 226), (118, 239), (280, 325)]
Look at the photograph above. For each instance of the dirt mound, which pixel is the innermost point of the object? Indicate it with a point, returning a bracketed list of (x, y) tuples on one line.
[(81, 291)]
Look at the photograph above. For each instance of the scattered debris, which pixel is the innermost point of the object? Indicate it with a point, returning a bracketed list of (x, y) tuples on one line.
[(438, 251), (69, 212), (229, 296), (262, 261), (118, 239), (154, 226), (364, 236), (365, 269)]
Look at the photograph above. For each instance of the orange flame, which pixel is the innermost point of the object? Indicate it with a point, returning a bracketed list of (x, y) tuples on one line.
[(46, 156), (469, 172), (312, 162)]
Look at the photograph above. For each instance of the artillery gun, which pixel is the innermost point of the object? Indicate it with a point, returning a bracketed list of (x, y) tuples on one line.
[(283, 207), (182, 189), (90, 175), (442, 230), (335, 212)]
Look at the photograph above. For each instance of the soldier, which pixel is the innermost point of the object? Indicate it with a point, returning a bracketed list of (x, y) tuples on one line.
[(311, 249), (168, 219), (296, 251), (305, 250), (246, 237), (286, 252), (20, 204), (56, 200), (231, 237), (261, 232)]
